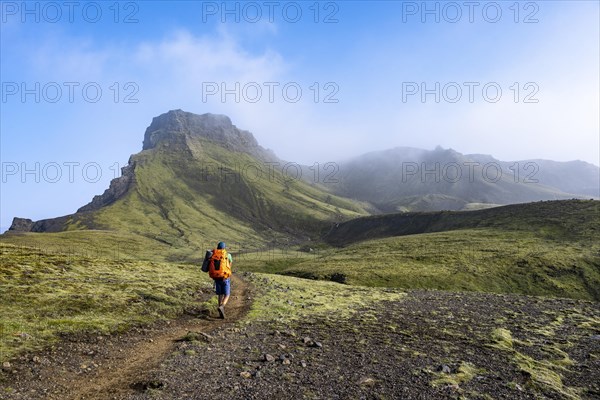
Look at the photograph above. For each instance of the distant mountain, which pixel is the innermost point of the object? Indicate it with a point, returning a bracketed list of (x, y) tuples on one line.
[(408, 179), (576, 177), (199, 178)]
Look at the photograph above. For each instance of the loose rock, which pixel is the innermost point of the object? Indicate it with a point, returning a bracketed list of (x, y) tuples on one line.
[(245, 374)]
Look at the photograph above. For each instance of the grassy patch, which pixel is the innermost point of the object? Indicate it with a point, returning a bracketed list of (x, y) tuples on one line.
[(543, 375), (102, 244), (483, 259), (287, 299), (45, 295), (466, 371)]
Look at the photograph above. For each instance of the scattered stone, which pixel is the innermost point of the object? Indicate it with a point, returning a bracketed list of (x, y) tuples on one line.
[(367, 381), (318, 345), (307, 341), (444, 368), (36, 359), (518, 387), (6, 365), (245, 374), (269, 358), (286, 362), (282, 346), (303, 364)]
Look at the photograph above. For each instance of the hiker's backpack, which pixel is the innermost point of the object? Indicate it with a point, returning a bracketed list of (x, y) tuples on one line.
[(218, 265), (207, 257)]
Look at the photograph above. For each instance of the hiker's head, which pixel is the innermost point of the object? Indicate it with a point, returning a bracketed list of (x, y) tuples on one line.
[(221, 245)]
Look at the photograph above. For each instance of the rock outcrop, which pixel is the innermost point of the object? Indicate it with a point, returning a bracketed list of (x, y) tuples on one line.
[(176, 127), (45, 225), (21, 225), (118, 187)]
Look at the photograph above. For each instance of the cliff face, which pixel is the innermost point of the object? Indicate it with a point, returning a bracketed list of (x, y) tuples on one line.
[(176, 127), (118, 187), (45, 225), (21, 225)]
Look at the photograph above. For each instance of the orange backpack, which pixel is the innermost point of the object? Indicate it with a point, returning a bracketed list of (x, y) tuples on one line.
[(218, 265)]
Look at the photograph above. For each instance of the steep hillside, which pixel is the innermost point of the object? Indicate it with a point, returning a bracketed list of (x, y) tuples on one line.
[(407, 179), (199, 179)]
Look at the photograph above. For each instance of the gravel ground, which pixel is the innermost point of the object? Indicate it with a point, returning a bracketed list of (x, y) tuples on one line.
[(427, 345)]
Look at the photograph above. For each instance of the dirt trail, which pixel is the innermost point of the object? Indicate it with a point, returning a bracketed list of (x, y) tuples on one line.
[(120, 374)]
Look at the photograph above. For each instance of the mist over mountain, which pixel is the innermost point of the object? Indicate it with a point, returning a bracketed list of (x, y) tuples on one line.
[(409, 179), (577, 177)]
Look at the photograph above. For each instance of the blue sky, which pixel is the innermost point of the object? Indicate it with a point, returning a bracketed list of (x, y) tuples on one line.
[(361, 68)]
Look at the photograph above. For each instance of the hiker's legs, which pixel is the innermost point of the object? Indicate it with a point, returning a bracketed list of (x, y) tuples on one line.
[(226, 290), (222, 288)]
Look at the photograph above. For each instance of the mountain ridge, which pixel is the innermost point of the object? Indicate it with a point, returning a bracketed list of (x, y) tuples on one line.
[(399, 179), (198, 179)]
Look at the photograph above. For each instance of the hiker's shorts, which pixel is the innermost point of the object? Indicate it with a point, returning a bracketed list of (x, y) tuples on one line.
[(223, 286)]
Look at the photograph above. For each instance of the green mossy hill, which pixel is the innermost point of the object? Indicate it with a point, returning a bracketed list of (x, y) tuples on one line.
[(200, 180), (188, 200), (563, 220)]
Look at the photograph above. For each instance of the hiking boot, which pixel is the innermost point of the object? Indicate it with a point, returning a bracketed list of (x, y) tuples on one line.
[(221, 312)]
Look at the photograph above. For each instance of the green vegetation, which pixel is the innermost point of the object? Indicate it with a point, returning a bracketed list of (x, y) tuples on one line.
[(190, 199), (185, 200), (472, 260), (466, 372), (43, 296), (563, 221), (114, 245), (286, 299), (547, 249), (543, 374)]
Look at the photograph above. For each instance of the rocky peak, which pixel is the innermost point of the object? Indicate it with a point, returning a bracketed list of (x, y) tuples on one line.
[(176, 125)]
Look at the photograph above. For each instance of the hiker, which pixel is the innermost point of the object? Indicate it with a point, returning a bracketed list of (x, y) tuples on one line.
[(218, 265)]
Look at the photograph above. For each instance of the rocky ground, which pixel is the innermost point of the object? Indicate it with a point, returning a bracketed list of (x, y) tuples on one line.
[(424, 345)]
